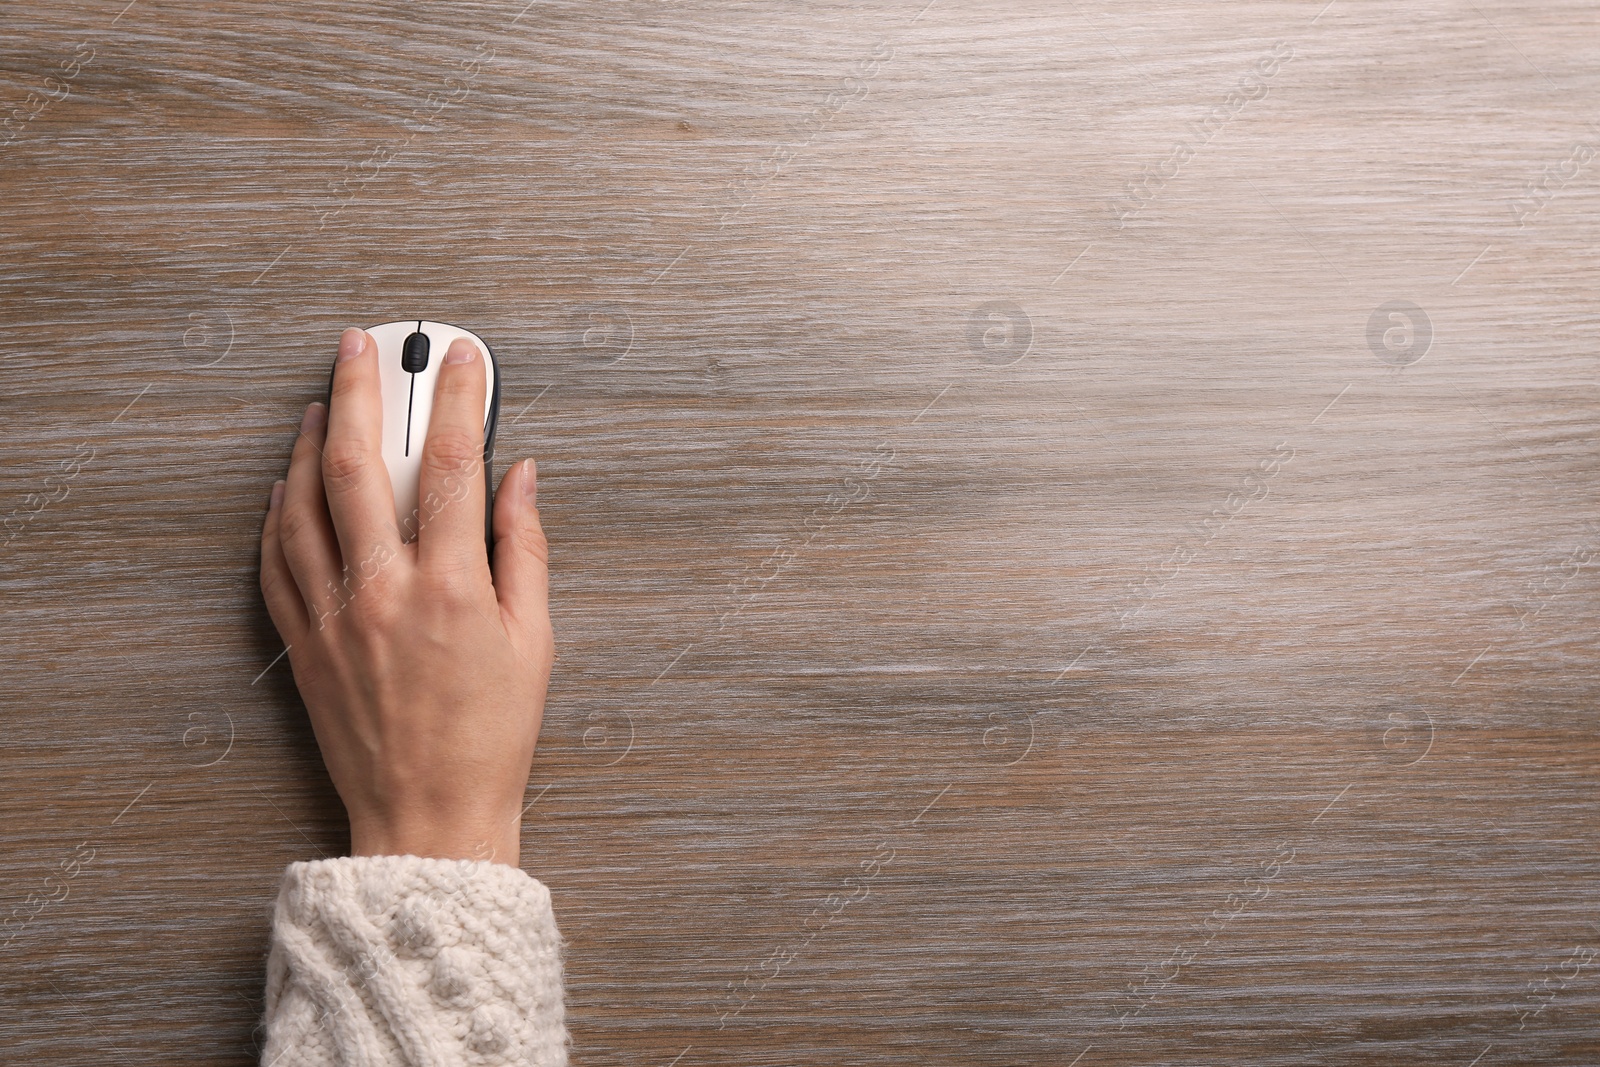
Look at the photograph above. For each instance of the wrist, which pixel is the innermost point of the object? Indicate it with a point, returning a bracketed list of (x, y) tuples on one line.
[(495, 843)]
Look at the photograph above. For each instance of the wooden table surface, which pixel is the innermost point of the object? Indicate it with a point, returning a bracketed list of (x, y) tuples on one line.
[(1075, 530)]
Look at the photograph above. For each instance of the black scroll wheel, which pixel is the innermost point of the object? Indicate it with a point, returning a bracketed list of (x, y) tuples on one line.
[(414, 356)]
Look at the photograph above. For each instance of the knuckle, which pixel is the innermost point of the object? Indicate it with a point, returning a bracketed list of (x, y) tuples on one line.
[(447, 584), (375, 606), (271, 585), (451, 452), (532, 541), (295, 527), (345, 383), (345, 465)]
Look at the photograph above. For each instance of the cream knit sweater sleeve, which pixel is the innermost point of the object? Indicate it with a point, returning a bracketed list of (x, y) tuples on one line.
[(400, 960)]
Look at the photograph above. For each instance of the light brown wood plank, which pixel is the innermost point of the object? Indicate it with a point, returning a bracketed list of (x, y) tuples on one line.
[(1168, 590)]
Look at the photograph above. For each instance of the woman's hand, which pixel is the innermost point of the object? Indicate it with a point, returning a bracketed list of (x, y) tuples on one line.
[(424, 676)]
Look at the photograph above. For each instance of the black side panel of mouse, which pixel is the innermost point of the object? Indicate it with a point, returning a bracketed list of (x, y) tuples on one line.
[(488, 454)]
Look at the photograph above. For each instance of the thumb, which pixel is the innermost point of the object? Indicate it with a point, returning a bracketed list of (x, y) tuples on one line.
[(521, 561)]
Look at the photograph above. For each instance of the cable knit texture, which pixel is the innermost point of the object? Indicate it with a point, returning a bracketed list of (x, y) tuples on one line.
[(401, 960)]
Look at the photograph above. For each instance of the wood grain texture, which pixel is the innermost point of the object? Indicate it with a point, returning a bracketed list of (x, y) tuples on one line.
[(1015, 606)]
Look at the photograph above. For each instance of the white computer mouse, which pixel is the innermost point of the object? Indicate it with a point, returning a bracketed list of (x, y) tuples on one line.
[(409, 356)]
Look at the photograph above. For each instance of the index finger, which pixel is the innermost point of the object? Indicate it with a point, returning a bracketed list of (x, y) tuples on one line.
[(354, 476)]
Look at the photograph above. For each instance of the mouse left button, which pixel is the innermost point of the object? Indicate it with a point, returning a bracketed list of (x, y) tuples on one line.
[(414, 353)]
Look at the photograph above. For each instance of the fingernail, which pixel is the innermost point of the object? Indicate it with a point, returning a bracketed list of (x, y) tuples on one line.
[(277, 495), (352, 343), (461, 351), (316, 416), (530, 481)]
